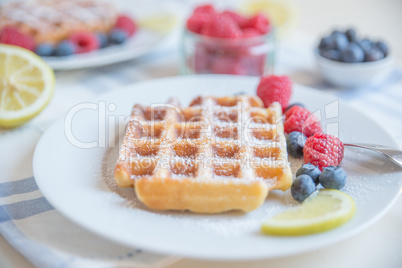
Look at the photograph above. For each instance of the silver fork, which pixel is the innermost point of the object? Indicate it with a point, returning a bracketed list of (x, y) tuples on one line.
[(394, 155)]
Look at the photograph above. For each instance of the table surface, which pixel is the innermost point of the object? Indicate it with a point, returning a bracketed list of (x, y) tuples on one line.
[(378, 245)]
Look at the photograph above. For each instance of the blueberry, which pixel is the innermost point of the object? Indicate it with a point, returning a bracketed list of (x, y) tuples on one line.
[(373, 54), (44, 50), (295, 143), (383, 47), (310, 170), (325, 44), (339, 41), (65, 48), (118, 36), (335, 32), (332, 54), (353, 53), (103, 39), (365, 44), (295, 104), (351, 35), (333, 177), (303, 186)]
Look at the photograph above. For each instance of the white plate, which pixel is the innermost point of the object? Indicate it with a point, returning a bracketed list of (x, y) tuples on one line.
[(79, 182), (139, 44), (143, 42)]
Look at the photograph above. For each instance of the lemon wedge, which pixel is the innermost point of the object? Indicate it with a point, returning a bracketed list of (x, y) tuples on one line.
[(283, 14), (162, 23), (26, 85), (325, 211)]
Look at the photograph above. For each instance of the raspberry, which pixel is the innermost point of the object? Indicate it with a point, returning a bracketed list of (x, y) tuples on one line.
[(323, 150), (258, 22), (275, 89), (221, 26), (12, 36), (200, 17), (197, 21), (84, 41), (300, 119), (239, 19), (208, 9), (250, 32), (228, 65), (125, 23)]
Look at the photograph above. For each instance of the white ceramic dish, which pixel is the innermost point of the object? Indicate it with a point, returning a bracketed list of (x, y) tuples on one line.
[(353, 74), (79, 182), (143, 42)]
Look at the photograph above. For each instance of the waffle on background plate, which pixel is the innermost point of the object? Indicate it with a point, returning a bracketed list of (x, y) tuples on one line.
[(52, 21), (218, 154)]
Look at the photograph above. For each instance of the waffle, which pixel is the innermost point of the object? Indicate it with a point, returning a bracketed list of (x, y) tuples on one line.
[(218, 154), (55, 20)]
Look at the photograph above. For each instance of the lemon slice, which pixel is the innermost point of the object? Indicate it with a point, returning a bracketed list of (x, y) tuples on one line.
[(325, 211), (26, 85), (282, 13), (163, 23)]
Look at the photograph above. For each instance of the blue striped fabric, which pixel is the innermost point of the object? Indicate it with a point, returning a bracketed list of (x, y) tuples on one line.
[(21, 210), (18, 187)]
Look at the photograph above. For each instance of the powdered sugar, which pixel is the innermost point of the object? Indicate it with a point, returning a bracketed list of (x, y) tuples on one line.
[(36, 12), (201, 133), (54, 20), (233, 223), (367, 177)]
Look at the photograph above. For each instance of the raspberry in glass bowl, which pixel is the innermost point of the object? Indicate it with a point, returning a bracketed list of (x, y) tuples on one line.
[(227, 43)]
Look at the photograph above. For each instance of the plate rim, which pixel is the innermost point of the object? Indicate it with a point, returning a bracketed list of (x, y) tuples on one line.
[(91, 61)]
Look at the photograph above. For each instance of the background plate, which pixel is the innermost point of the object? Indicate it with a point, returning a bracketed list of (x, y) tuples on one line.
[(141, 43), (79, 181)]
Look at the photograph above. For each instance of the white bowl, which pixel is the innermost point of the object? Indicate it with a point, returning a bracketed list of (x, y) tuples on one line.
[(353, 74)]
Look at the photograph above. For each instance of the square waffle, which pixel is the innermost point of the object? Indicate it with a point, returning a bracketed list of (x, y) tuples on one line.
[(218, 154), (55, 20)]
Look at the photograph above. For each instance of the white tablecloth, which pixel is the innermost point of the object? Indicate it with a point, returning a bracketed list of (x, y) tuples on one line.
[(47, 239)]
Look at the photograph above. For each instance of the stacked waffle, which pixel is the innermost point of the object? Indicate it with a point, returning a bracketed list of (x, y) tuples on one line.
[(51, 21), (218, 154)]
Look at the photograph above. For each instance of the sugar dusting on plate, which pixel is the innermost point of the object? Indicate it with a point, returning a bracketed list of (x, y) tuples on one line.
[(364, 172)]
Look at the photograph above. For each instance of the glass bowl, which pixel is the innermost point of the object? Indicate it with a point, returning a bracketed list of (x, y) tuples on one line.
[(252, 56)]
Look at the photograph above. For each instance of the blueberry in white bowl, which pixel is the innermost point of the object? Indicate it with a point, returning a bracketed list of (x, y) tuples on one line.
[(338, 41), (352, 53), (347, 60), (348, 47), (351, 35)]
